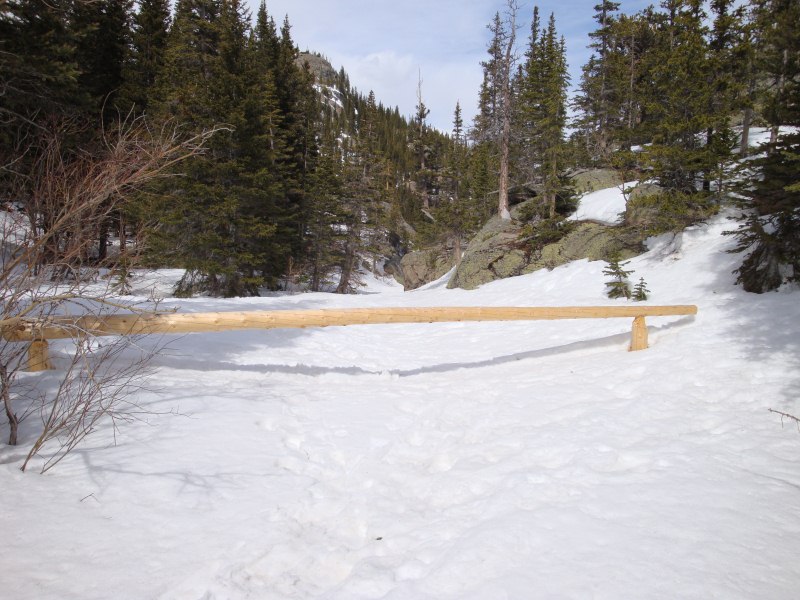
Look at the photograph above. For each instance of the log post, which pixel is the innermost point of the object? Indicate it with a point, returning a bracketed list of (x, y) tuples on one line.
[(638, 335), (38, 358)]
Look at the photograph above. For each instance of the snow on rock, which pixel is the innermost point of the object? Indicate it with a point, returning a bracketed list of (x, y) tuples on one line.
[(443, 461), (605, 206)]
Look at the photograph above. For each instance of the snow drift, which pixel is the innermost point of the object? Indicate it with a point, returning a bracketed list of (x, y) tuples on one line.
[(459, 460)]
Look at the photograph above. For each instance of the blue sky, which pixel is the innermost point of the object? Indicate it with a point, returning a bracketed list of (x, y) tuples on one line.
[(385, 45)]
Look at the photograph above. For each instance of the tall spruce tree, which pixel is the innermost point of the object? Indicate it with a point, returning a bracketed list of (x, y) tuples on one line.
[(361, 191), (541, 113), (219, 222), (150, 29), (609, 99), (726, 70), (325, 237), (493, 123), (420, 144), (457, 214), (677, 104), (602, 91), (102, 33), (770, 231), (38, 67)]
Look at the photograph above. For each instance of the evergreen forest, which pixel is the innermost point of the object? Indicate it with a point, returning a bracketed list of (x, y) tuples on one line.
[(292, 179)]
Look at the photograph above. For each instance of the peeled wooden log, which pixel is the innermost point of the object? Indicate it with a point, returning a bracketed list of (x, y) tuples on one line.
[(38, 331), (135, 324)]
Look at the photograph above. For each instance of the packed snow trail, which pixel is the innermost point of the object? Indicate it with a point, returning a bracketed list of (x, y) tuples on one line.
[(446, 461)]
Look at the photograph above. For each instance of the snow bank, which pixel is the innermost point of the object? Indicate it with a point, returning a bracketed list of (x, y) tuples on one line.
[(605, 206), (443, 461)]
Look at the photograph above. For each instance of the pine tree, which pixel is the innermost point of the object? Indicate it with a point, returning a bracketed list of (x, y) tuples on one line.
[(299, 108), (38, 66), (325, 237), (102, 31), (770, 231), (494, 121), (458, 126), (636, 40), (363, 167), (640, 291), (457, 215), (619, 286), (481, 179), (224, 216), (419, 142), (608, 103), (541, 114), (601, 88), (267, 38), (148, 43), (677, 106), (487, 124), (727, 71)]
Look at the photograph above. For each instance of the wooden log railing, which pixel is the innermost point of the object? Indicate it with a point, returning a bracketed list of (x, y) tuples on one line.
[(39, 331)]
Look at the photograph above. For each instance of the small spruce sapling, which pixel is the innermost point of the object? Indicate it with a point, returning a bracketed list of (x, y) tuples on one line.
[(640, 291), (619, 286)]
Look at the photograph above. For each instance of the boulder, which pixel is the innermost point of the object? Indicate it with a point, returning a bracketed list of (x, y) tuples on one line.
[(592, 180), (492, 253), (588, 240), (392, 267), (497, 251), (644, 190), (423, 266)]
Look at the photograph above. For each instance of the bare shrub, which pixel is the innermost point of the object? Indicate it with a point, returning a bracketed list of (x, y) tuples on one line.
[(99, 384), (58, 202)]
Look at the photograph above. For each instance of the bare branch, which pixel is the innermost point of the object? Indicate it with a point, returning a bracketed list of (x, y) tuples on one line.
[(786, 416)]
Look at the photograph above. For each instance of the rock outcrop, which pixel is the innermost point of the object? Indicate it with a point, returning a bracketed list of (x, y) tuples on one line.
[(423, 266), (498, 250), (591, 180), (494, 253)]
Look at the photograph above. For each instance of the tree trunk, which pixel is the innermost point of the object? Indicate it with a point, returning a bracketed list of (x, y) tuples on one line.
[(709, 140), (502, 206), (773, 135), (747, 118), (13, 421), (505, 137), (631, 79), (102, 243), (315, 271), (123, 240), (347, 269)]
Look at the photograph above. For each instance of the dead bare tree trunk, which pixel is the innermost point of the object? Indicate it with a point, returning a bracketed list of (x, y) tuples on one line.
[(506, 69)]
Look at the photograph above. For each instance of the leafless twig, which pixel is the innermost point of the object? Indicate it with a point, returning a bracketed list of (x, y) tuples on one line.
[(786, 416)]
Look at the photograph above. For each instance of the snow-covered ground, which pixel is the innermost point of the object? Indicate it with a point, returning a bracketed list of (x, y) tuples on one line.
[(760, 135), (443, 461)]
